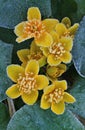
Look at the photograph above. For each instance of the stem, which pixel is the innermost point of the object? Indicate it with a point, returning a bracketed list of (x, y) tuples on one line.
[(11, 106)]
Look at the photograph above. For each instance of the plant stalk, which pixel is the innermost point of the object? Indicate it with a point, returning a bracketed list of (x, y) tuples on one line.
[(11, 106)]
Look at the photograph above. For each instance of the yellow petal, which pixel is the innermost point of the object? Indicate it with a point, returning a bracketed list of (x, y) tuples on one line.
[(24, 64), (67, 43), (55, 36), (62, 67), (44, 103), (68, 98), (19, 28), (33, 13), (60, 29), (31, 98), (38, 57), (58, 108), (59, 73), (39, 80), (61, 84), (19, 32), (66, 21), (67, 57), (50, 24), (45, 40), (42, 61), (52, 61), (34, 47), (32, 66), (56, 71), (51, 71), (49, 89), (13, 91), (23, 38), (52, 79), (13, 72), (22, 54), (45, 51), (73, 29)]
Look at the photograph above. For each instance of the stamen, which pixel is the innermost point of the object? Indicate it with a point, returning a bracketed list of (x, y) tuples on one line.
[(26, 83), (67, 34), (34, 28), (36, 55), (55, 96), (57, 50)]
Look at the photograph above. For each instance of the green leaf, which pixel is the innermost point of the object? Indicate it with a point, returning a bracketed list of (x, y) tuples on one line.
[(63, 8), (16, 47), (4, 117), (78, 91), (79, 49), (7, 35), (74, 9), (5, 59), (78, 15), (34, 118), (13, 12)]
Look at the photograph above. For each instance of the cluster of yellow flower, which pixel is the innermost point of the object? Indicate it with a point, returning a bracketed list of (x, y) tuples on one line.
[(53, 41)]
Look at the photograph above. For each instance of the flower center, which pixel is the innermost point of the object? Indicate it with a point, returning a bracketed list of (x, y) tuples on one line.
[(57, 50), (26, 83), (36, 56), (55, 74), (67, 33), (55, 96), (34, 28)]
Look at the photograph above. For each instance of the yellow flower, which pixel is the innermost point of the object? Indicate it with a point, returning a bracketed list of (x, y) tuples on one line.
[(34, 53), (27, 80), (65, 29), (59, 51), (35, 28), (55, 97), (54, 72)]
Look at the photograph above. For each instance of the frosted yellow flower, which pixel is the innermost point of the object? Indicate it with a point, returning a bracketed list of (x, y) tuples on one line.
[(35, 28), (55, 97), (65, 29), (59, 51), (54, 72), (34, 53), (27, 80)]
